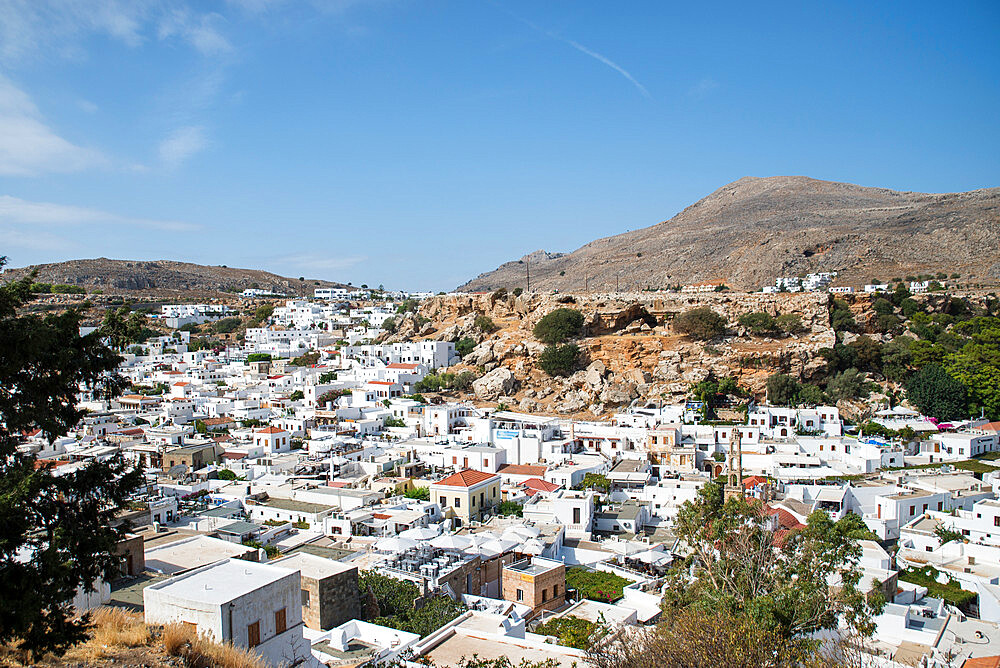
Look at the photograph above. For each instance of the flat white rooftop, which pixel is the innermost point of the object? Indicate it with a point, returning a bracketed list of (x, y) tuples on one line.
[(312, 566), (221, 582), (188, 553)]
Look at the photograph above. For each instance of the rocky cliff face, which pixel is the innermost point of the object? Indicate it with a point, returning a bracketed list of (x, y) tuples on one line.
[(624, 357), (753, 230)]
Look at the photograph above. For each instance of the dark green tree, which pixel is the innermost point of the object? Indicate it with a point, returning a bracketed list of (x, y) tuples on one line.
[(559, 360), (700, 323), (759, 323), (937, 394), (55, 531), (559, 325), (782, 389)]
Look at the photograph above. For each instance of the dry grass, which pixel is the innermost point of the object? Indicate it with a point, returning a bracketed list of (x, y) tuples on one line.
[(115, 627), (121, 637), (199, 651)]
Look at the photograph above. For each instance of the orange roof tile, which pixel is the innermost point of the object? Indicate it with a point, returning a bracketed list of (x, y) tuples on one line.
[(272, 430), (466, 478), (540, 485), (523, 469), (400, 365)]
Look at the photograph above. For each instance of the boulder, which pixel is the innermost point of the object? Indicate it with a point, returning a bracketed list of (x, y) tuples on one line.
[(499, 381)]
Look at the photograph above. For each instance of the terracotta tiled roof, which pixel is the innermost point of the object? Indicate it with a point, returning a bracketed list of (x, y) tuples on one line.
[(982, 662), (466, 478), (753, 481), (400, 365), (540, 485), (989, 426), (523, 469), (380, 382), (211, 422), (272, 430), (785, 519)]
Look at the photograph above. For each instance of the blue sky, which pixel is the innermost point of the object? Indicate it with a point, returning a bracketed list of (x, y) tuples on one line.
[(417, 144)]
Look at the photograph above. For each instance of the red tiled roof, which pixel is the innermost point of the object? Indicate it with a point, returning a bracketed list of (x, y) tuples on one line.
[(234, 455), (381, 516), (540, 485), (380, 382), (753, 481), (400, 365), (181, 384), (990, 426), (135, 431), (523, 469), (339, 484), (272, 430), (982, 662), (785, 519), (466, 478), (211, 422)]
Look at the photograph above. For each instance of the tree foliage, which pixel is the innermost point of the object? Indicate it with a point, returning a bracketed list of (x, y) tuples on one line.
[(510, 509), (559, 360), (422, 493), (700, 323), (55, 535), (558, 326), (937, 394), (390, 602), (759, 323), (738, 566)]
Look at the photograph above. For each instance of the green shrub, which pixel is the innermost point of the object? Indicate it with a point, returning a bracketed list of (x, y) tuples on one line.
[(559, 325), (759, 323), (422, 493), (789, 323), (258, 357), (595, 585), (464, 346), (700, 323), (937, 394), (226, 325), (510, 508), (559, 360), (570, 631), (484, 323), (782, 389)]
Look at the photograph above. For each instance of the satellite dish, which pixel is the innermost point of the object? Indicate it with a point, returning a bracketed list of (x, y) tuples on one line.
[(177, 471)]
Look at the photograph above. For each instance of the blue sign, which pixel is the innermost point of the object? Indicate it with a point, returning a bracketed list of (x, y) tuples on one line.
[(506, 433)]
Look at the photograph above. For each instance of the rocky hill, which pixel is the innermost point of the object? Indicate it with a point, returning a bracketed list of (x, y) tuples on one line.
[(753, 230), (623, 358), (162, 275)]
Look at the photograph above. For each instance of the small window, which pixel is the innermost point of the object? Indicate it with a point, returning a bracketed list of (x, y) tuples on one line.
[(305, 596), (555, 590), (545, 595), (520, 594), (279, 621), (253, 634), (458, 502)]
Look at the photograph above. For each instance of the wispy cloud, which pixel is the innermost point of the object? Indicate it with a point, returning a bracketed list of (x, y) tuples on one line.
[(582, 49), (41, 28), (703, 88), (28, 146), (200, 31), (16, 212), (181, 144)]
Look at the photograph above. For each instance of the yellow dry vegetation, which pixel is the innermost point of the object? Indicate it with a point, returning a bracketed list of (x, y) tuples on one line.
[(119, 636)]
